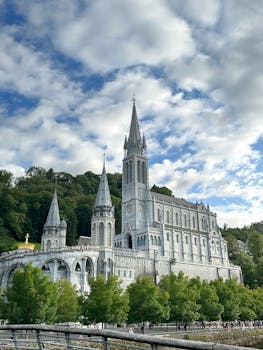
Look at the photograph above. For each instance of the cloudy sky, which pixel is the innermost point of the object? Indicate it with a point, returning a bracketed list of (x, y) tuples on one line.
[(69, 69)]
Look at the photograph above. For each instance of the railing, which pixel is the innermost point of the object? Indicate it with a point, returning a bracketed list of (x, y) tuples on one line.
[(40, 337)]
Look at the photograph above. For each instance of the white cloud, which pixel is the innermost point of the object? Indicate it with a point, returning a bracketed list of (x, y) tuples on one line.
[(111, 35)]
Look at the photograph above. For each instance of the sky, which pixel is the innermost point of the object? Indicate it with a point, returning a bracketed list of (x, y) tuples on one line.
[(69, 70)]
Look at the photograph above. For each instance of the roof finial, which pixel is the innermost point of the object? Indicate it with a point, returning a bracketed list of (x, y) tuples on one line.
[(133, 99)]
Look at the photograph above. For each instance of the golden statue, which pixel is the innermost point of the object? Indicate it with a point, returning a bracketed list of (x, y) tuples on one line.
[(26, 244)]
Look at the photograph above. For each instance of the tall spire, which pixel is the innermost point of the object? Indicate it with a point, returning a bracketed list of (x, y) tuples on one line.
[(53, 218), (103, 198)]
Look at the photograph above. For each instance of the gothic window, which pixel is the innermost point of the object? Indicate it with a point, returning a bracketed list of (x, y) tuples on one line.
[(151, 239), (138, 241), (78, 268), (193, 222), (89, 267), (48, 246), (176, 219), (130, 172), (101, 234), (138, 171), (167, 217), (213, 225), (144, 240), (217, 246), (143, 173), (204, 224), (127, 173), (185, 220), (155, 240), (159, 215), (213, 245), (159, 241), (109, 234)]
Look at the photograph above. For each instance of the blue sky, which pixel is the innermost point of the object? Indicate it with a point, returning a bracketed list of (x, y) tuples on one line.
[(69, 69)]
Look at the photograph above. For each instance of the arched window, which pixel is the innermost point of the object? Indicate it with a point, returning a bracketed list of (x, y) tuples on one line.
[(138, 241), (159, 241), (204, 224), (139, 171), (155, 240), (151, 239), (101, 234), (176, 219), (109, 235), (193, 222), (167, 217), (159, 215), (78, 268)]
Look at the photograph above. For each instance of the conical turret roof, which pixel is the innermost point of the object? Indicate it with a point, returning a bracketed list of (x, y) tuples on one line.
[(103, 195), (53, 218)]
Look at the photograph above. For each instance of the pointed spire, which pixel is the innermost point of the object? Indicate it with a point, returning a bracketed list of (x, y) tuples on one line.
[(103, 195), (53, 218), (135, 144)]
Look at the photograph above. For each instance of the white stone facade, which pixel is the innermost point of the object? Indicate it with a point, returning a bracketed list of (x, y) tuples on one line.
[(160, 234)]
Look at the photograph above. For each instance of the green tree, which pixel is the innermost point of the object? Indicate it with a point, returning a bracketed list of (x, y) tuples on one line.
[(255, 245), (31, 297), (183, 296), (162, 190), (68, 302), (248, 268), (106, 302), (258, 302), (247, 307), (147, 301), (228, 293), (210, 308)]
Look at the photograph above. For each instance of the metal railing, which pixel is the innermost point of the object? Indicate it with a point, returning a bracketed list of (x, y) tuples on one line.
[(41, 337)]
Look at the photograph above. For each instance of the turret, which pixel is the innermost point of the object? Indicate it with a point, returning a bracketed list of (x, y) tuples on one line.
[(54, 231), (103, 220)]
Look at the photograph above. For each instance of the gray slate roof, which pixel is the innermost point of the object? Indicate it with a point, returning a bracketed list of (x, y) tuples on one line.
[(53, 218), (103, 195)]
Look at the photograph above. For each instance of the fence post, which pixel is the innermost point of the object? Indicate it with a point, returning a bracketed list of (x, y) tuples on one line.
[(40, 344), (105, 343), (68, 341), (14, 338)]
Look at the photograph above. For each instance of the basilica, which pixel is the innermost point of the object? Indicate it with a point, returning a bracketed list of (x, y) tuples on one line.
[(160, 234)]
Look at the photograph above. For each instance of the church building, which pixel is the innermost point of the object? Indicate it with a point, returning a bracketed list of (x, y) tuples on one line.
[(160, 234)]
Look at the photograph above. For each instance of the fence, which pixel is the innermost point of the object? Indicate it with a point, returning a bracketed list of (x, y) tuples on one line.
[(41, 337)]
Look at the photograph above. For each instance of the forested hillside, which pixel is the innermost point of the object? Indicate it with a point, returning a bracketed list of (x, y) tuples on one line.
[(245, 248), (25, 203)]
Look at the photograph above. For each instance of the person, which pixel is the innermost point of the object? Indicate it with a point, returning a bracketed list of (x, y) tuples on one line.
[(142, 328), (130, 330)]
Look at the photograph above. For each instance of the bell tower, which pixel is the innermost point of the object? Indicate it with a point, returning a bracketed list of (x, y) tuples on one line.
[(136, 199)]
